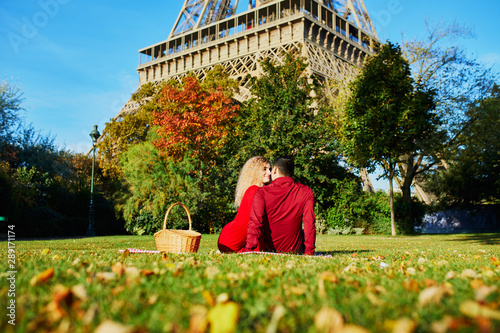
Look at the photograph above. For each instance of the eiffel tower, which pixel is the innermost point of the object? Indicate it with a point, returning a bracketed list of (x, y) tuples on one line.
[(335, 36)]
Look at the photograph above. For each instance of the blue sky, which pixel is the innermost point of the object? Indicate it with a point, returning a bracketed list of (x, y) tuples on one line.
[(75, 60)]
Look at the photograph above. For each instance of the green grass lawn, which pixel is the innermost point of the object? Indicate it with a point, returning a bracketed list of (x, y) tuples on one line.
[(431, 283)]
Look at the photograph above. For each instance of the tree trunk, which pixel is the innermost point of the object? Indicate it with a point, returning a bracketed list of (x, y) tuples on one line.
[(391, 196)]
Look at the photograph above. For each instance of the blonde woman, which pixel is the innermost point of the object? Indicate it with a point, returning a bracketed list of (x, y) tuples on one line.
[(255, 173)]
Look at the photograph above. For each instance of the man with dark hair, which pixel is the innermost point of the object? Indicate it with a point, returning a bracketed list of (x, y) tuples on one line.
[(278, 211)]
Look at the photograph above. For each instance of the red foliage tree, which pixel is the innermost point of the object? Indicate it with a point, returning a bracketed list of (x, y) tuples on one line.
[(194, 119)]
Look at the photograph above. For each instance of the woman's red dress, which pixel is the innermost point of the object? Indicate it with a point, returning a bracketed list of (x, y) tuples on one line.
[(233, 236)]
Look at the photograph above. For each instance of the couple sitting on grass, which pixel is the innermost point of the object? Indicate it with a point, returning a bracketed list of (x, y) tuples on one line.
[(270, 214)]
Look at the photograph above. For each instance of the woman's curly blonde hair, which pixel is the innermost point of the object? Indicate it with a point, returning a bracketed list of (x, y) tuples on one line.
[(250, 174)]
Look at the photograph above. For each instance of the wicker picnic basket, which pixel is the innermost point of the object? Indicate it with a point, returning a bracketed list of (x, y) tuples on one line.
[(177, 240)]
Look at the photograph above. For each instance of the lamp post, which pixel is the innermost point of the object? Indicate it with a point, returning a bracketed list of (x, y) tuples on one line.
[(91, 230)]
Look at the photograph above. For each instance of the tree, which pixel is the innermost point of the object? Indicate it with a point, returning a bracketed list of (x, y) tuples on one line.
[(155, 181), (10, 106), (473, 172), (286, 118), (388, 119), (128, 129), (193, 120), (459, 82)]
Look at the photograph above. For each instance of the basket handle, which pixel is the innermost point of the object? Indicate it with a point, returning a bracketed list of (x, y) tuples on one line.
[(170, 208)]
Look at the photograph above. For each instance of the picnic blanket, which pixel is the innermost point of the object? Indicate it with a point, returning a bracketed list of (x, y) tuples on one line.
[(317, 254)]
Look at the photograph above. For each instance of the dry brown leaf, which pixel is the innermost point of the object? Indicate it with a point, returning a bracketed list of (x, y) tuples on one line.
[(374, 299), (442, 326), (278, 313), (198, 321), (325, 276), (470, 273), (132, 271), (42, 277), (208, 297), (118, 268), (476, 284), (211, 272), (328, 320), (483, 292), (474, 310), (147, 272), (125, 254), (411, 285), (79, 291), (404, 325), (430, 295), (106, 276), (109, 326), (115, 291)]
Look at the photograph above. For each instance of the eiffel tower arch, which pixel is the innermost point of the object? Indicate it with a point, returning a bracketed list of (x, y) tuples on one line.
[(335, 36)]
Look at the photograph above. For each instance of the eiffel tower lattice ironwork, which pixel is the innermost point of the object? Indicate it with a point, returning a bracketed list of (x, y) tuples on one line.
[(335, 36)]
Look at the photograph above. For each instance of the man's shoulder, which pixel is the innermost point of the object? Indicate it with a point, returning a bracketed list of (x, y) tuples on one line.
[(303, 187)]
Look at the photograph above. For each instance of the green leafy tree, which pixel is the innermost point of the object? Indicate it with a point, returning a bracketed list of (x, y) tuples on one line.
[(388, 119), (459, 82), (10, 107), (472, 175), (155, 181), (285, 117)]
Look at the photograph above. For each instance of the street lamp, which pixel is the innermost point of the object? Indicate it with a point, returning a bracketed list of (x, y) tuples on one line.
[(91, 230)]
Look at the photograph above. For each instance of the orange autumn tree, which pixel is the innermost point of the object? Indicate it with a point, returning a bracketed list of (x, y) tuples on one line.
[(194, 119)]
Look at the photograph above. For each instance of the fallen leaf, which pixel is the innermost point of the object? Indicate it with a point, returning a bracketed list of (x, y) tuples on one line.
[(476, 283), (442, 263), (350, 328), (325, 276), (411, 271), (223, 317), (411, 285), (374, 299), (45, 252), (109, 326), (132, 271), (474, 310), (328, 320), (198, 319), (79, 291), (421, 261), (495, 261), (430, 295), (211, 272), (208, 297), (450, 275), (470, 273), (125, 254), (106, 276), (404, 325), (484, 291), (118, 268), (278, 313), (42, 277), (443, 325), (351, 268), (147, 272)]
